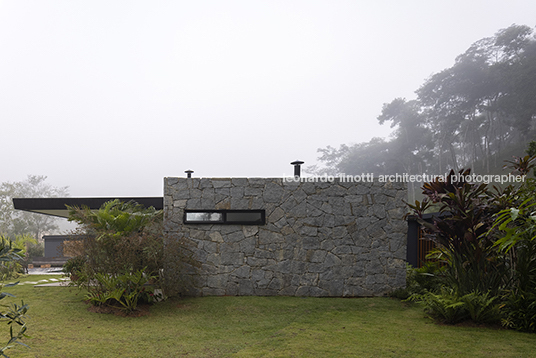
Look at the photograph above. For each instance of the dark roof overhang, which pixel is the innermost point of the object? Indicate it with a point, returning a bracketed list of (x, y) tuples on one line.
[(57, 206)]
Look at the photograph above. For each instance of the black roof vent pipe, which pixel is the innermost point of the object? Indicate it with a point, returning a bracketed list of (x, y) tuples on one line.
[(297, 168), (189, 173)]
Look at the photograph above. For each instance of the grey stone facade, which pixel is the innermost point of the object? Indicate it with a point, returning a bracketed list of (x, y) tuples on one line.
[(320, 238)]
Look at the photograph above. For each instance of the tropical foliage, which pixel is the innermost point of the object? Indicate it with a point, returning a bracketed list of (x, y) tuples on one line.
[(14, 265), (124, 290), (487, 240), (13, 314), (120, 248), (121, 254)]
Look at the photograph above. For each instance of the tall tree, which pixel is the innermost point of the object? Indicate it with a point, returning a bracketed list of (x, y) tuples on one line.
[(465, 115), (14, 222)]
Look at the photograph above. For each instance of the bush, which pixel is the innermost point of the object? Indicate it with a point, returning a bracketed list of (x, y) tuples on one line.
[(74, 268), (519, 312), (35, 250), (487, 238), (125, 290), (13, 314), (119, 238), (444, 306), (121, 247), (12, 268), (461, 232), (428, 278), (448, 307), (482, 308)]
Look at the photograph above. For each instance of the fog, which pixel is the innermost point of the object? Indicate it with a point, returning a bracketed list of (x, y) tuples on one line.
[(109, 98)]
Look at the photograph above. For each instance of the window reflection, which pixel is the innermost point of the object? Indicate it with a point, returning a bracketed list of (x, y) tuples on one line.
[(204, 216)]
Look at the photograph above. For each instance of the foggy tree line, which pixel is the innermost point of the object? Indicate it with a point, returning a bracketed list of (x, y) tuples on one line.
[(464, 116), (15, 223)]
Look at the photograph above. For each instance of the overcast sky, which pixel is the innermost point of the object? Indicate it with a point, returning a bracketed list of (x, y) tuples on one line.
[(110, 97)]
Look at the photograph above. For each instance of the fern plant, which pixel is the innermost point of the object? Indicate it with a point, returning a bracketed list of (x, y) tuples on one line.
[(444, 306), (482, 307), (449, 307)]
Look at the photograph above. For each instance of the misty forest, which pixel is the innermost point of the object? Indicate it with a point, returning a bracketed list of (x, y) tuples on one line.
[(474, 114)]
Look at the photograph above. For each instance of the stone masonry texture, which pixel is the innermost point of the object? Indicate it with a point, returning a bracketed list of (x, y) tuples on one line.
[(320, 239)]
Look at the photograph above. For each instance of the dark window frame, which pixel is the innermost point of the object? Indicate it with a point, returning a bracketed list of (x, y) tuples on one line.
[(225, 220)]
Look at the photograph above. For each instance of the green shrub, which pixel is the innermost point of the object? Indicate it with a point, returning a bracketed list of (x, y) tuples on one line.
[(35, 250), (482, 308), (11, 257), (519, 312), (466, 214), (13, 314), (74, 265), (487, 238), (448, 307), (125, 290), (444, 306), (121, 239), (420, 280), (75, 269)]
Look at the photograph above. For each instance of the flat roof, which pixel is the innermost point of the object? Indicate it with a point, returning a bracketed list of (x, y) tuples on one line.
[(57, 206)]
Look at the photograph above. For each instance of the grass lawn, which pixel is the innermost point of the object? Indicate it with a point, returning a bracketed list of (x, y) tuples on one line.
[(60, 325)]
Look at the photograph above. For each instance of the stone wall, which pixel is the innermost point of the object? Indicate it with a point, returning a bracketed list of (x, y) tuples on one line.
[(320, 238)]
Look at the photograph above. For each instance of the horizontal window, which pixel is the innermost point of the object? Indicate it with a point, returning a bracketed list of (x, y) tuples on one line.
[(204, 217), (226, 217)]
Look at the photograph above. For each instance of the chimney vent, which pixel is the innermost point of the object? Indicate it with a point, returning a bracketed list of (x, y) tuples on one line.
[(189, 173), (297, 168)]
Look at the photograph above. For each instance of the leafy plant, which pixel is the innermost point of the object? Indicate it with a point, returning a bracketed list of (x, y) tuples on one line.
[(420, 280), (519, 311), (75, 268), (116, 218), (9, 258), (125, 290), (448, 306), (444, 306), (482, 308), (465, 216), (14, 314), (98, 297), (121, 239)]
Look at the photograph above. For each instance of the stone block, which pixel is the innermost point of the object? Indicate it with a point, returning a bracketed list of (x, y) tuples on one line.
[(303, 291), (215, 236), (245, 288), (217, 281), (263, 254), (298, 211), (332, 260), (288, 291), (273, 193), (309, 243), (240, 203), (236, 236), (374, 267), (221, 183), (277, 214), (308, 231), (232, 258), (316, 291), (241, 272), (247, 246)]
